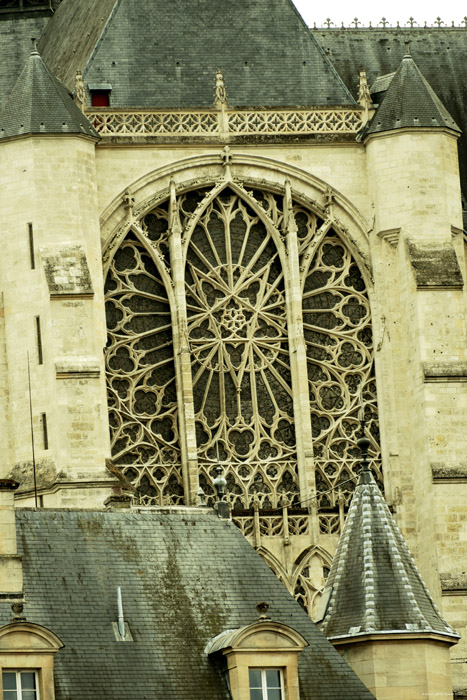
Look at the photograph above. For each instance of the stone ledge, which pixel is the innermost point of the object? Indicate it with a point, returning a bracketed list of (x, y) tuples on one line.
[(449, 472), (455, 583), (453, 370), (435, 266), (77, 368)]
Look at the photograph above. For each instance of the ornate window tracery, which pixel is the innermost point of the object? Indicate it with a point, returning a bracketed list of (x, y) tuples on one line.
[(240, 355), (140, 370), (238, 338), (338, 335)]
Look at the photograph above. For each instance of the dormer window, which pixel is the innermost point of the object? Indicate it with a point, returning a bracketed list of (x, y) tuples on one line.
[(100, 94), (26, 661), (266, 684), (20, 685), (261, 660)]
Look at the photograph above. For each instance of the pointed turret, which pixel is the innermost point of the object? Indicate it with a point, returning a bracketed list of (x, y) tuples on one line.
[(410, 102), (40, 104), (374, 582), (375, 596)]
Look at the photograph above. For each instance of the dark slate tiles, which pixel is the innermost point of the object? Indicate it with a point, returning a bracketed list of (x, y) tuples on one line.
[(40, 104), (374, 582), (410, 102), (185, 577), (160, 54)]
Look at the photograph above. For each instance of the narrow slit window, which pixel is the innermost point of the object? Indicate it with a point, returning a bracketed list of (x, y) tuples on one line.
[(40, 357), (45, 434), (31, 247)]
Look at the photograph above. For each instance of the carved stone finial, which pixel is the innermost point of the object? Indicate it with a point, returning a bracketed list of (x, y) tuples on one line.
[(439, 22), (328, 22), (17, 609), (128, 201), (384, 22), (465, 21), (290, 225), (355, 22), (364, 97), (226, 162), (411, 22), (262, 608), (220, 93), (80, 92)]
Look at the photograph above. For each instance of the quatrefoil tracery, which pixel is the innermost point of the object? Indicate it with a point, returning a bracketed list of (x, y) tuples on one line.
[(238, 338)]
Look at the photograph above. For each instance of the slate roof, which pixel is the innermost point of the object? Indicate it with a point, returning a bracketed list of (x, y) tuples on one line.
[(156, 53), (409, 101), (15, 45), (40, 104), (374, 585), (185, 576), (439, 52)]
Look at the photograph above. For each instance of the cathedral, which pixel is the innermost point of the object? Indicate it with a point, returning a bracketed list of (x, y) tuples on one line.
[(233, 354)]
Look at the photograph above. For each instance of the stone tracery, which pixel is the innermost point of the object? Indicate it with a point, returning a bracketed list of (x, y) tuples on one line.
[(238, 338)]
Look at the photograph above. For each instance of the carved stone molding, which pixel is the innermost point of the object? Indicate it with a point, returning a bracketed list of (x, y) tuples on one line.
[(391, 236)]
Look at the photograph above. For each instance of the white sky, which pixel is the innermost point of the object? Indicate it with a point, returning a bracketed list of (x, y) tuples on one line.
[(394, 10)]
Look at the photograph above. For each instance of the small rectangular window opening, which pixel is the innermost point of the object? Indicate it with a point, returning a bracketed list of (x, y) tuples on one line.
[(40, 357), (45, 435), (100, 98), (31, 247), (20, 685), (266, 684)]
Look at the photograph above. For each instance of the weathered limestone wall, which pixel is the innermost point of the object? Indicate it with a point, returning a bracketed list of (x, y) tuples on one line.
[(409, 669), (50, 183), (343, 166), (421, 360)]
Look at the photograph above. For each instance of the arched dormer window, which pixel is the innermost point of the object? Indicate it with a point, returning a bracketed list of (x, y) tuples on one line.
[(27, 661), (262, 660)]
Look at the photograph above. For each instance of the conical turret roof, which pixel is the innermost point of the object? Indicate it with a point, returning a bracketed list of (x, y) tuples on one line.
[(374, 585), (40, 104), (410, 101)]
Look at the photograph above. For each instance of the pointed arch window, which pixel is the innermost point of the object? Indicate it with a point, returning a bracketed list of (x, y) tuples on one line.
[(237, 332), (140, 369)]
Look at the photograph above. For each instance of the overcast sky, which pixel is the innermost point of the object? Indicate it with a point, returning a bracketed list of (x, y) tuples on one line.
[(395, 11)]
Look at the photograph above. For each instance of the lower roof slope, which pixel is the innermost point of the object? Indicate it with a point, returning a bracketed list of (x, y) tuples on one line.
[(156, 53), (185, 577)]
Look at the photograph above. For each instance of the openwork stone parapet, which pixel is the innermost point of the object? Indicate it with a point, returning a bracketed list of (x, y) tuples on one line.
[(224, 123)]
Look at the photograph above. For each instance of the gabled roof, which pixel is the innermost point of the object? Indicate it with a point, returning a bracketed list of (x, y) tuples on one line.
[(410, 102), (185, 576), (374, 585), (40, 104), (156, 53)]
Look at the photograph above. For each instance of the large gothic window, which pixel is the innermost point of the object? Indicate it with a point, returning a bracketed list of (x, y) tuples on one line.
[(240, 354), (233, 250)]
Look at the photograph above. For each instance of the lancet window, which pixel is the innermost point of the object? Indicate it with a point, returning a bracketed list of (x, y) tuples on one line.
[(141, 372), (338, 335), (240, 354)]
